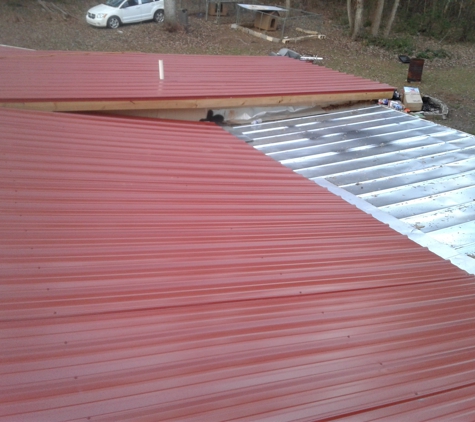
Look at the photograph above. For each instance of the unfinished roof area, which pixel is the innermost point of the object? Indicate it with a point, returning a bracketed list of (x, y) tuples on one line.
[(419, 172), (157, 270), (80, 81)]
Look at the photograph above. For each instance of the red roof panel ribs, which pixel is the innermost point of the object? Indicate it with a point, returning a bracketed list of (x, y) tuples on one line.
[(75, 81), (157, 270)]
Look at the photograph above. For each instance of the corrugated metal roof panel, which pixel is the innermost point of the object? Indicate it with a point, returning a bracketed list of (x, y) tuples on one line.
[(415, 170), (168, 271), (81, 76)]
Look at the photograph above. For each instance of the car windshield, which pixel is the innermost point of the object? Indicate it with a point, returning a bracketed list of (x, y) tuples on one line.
[(114, 3)]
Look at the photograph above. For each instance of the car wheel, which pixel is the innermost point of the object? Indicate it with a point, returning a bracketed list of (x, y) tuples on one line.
[(159, 16), (113, 22)]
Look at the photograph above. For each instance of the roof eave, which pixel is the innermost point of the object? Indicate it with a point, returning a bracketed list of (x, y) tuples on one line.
[(187, 103)]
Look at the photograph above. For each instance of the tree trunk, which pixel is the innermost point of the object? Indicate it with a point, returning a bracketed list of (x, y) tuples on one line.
[(169, 8), (378, 13), (351, 19), (461, 7), (358, 18), (446, 8), (391, 18)]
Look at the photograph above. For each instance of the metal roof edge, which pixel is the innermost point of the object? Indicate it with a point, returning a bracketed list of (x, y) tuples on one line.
[(177, 103), (461, 260), (16, 48)]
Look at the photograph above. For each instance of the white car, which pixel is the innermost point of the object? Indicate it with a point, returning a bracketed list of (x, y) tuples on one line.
[(116, 12)]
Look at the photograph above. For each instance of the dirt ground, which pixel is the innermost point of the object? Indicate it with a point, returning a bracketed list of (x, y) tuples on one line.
[(25, 23)]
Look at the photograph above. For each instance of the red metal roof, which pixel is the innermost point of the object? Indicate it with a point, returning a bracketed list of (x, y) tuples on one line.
[(156, 270), (81, 76)]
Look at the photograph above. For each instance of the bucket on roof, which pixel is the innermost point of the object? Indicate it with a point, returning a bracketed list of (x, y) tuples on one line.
[(414, 74)]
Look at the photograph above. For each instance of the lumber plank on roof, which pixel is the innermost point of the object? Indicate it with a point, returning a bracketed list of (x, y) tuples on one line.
[(95, 105)]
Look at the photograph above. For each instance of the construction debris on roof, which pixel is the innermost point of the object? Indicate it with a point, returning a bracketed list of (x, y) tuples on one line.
[(156, 270), (419, 172), (83, 81)]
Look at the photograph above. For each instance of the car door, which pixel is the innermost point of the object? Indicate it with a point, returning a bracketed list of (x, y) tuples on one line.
[(131, 11), (147, 9)]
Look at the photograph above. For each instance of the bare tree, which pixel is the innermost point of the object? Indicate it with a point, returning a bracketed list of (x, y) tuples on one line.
[(351, 18), (447, 6), (392, 16), (287, 6), (169, 7), (461, 7), (358, 18), (377, 16)]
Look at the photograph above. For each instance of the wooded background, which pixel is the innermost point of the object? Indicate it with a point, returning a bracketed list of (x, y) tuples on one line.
[(448, 20), (452, 20)]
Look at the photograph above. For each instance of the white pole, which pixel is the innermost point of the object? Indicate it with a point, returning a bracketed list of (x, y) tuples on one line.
[(160, 70)]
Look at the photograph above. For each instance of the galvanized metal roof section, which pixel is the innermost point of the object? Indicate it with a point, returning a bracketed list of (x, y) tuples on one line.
[(419, 172), (72, 81), (154, 270)]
